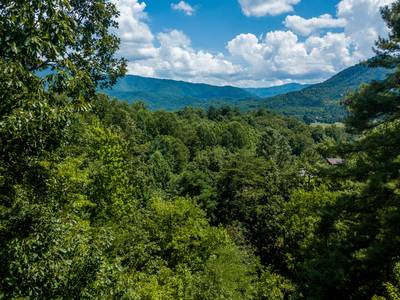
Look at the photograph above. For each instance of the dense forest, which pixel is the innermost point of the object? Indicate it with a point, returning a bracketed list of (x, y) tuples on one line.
[(101, 199)]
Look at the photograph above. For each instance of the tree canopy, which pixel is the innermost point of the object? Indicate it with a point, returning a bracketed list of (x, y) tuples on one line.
[(104, 199)]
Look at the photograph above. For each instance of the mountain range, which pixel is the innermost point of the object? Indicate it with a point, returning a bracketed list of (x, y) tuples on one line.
[(173, 95), (277, 90), (321, 102), (313, 103)]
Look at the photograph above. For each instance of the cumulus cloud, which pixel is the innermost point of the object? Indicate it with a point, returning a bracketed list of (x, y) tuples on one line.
[(360, 20), (178, 60), (277, 57), (259, 8), (167, 54), (136, 36), (364, 22), (186, 8), (281, 55), (305, 27)]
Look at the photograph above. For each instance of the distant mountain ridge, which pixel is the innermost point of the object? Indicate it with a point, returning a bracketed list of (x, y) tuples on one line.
[(320, 102), (277, 90), (312, 103), (173, 95)]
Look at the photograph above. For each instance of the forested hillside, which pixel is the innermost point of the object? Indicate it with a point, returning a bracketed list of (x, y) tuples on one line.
[(101, 199), (277, 90), (321, 102), (312, 103), (174, 95)]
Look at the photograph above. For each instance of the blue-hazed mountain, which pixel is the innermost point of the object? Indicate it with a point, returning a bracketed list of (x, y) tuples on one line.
[(173, 95), (321, 102), (315, 103), (277, 90)]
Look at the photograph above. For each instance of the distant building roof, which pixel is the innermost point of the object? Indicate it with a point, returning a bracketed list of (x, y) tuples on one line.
[(335, 161)]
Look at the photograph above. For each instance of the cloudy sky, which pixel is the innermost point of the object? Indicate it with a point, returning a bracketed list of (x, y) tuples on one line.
[(247, 43)]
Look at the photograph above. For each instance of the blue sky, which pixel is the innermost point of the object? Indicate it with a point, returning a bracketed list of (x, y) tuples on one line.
[(217, 21), (247, 43)]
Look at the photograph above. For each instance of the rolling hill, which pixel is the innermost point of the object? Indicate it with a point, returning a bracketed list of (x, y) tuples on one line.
[(173, 95), (277, 90), (321, 102), (313, 103)]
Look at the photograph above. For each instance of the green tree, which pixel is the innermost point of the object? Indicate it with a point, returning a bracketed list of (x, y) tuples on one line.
[(70, 38), (235, 136), (394, 289), (355, 246), (251, 195), (173, 149), (375, 116), (273, 145), (70, 41)]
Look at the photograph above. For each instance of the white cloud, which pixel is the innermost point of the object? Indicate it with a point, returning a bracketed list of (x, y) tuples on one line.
[(259, 8), (360, 19), (281, 55), (364, 22), (174, 38), (136, 36), (168, 54), (307, 26), (277, 57), (186, 8), (178, 60)]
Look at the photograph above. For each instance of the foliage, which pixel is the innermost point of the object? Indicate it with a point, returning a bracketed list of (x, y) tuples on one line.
[(352, 242), (69, 37), (102, 199)]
